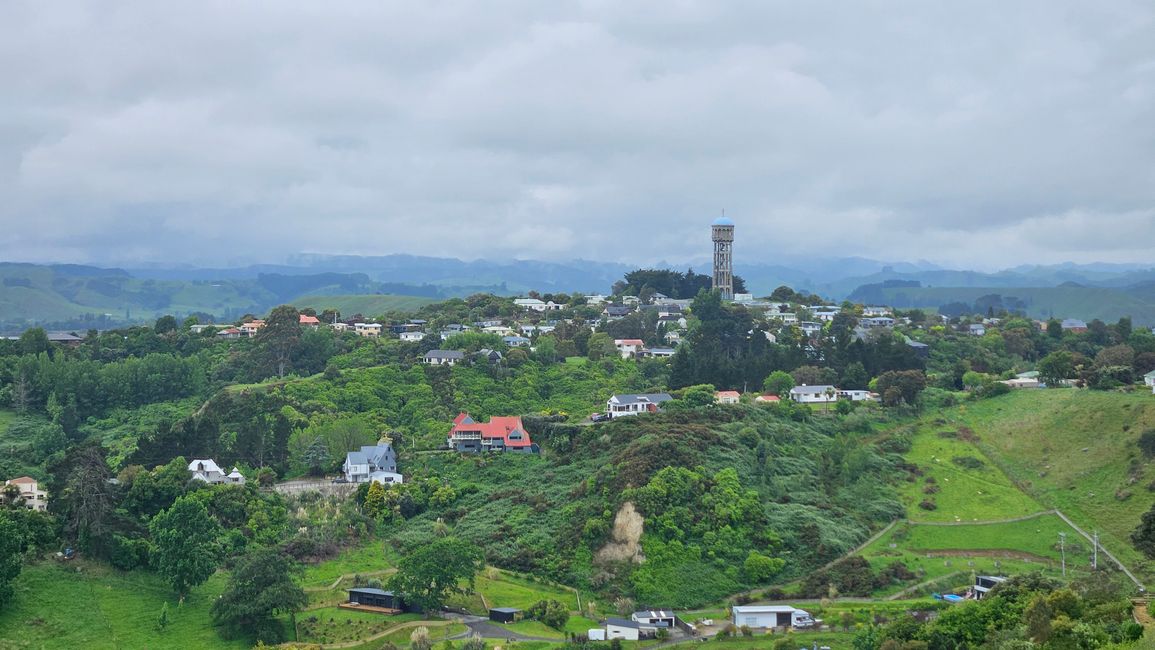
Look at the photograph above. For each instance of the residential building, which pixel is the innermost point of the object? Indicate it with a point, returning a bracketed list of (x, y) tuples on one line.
[(1149, 379), (489, 356), (629, 347), (1073, 325), (34, 498), (252, 327), (533, 304), (858, 395), (876, 321), (659, 352), (626, 630), (370, 597), (814, 394), (207, 470), (368, 330), (657, 617), (411, 337), (615, 312), (983, 584), (921, 350), (499, 434), (727, 397), (871, 312), (767, 399), (515, 341), (229, 333), (309, 321), (444, 357), (810, 329), (770, 616), (621, 405), (500, 330), (372, 463), (977, 329)]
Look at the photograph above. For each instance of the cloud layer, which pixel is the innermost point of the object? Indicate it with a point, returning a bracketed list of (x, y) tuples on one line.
[(975, 134)]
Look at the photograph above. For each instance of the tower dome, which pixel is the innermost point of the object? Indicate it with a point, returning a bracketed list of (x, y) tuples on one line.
[(723, 221)]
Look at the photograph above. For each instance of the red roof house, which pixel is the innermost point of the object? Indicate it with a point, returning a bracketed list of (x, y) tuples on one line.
[(727, 397), (499, 434), (309, 321)]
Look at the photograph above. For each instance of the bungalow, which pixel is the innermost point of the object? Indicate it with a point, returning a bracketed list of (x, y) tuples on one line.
[(656, 618), (620, 628), (769, 616), (870, 312), (810, 329), (444, 357), (370, 597), (533, 304), (674, 337), (621, 405), (1022, 382), (727, 397), (515, 341), (629, 347), (826, 314), (977, 329), (921, 350), (659, 352), (814, 394), (207, 470), (372, 463), (340, 327), (309, 321), (595, 299), (71, 339), (499, 329), (787, 319), (858, 395), (490, 356), (767, 399), (229, 333), (34, 498), (412, 337), (499, 434), (615, 312), (876, 321), (368, 330)]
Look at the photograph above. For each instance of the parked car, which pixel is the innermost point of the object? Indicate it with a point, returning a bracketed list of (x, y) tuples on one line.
[(599, 417)]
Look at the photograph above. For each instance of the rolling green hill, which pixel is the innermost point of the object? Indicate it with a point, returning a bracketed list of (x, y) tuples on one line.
[(1086, 303), (369, 305)]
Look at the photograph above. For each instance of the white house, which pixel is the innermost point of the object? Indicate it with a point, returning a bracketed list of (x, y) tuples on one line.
[(727, 397), (34, 498), (622, 405), (629, 347), (858, 395), (655, 618), (814, 394), (411, 336), (444, 357), (870, 312), (376, 463), (533, 304), (977, 329), (768, 616), (620, 628), (1149, 379), (207, 470)]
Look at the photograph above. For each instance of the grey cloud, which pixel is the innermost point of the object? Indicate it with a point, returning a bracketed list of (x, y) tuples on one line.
[(977, 134)]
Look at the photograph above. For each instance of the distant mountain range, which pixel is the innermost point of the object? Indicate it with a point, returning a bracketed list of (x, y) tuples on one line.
[(76, 296)]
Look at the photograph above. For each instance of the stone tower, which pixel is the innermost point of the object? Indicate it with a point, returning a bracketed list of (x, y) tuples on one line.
[(722, 232)]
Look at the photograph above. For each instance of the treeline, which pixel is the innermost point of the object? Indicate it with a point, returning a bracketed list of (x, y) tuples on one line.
[(644, 283)]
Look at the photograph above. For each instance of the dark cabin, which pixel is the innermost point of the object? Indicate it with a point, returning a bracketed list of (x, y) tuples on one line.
[(503, 614), (376, 598)]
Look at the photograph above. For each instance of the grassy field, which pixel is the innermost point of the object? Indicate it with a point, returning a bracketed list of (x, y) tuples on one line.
[(502, 589), (950, 554), (961, 492), (369, 305), (1074, 450), (83, 605), (365, 559), (336, 625)]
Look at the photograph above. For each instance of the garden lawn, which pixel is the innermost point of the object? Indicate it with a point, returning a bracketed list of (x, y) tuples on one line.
[(86, 605), (535, 628)]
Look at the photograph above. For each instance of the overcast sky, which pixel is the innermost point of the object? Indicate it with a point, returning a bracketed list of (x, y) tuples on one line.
[(971, 134)]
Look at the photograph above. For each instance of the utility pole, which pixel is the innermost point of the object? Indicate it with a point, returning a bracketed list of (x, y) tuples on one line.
[(1063, 551)]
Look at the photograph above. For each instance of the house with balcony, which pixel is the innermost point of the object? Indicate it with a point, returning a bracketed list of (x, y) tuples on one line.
[(30, 493), (499, 434)]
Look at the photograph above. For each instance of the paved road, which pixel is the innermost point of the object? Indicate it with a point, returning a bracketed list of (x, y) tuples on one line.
[(481, 626)]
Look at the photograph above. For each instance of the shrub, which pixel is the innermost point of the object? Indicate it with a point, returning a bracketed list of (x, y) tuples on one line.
[(1147, 443), (928, 504), (968, 462)]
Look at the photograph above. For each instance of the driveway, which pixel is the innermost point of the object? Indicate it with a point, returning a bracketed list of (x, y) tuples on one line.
[(482, 627)]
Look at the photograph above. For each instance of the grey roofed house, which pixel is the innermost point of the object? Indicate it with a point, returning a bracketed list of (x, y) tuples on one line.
[(617, 310), (438, 357), (622, 622), (632, 404), (64, 337), (360, 465)]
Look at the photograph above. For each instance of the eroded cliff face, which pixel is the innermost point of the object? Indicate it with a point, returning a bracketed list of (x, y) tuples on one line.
[(626, 537)]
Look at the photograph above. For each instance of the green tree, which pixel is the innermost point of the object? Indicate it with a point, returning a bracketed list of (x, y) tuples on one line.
[(700, 396), (1143, 537), (162, 619), (600, 345), (165, 324), (779, 383), (854, 377), (1055, 367), (10, 536), (280, 337), (184, 540), (34, 341), (375, 500), (260, 589), (550, 612), (434, 571), (759, 568)]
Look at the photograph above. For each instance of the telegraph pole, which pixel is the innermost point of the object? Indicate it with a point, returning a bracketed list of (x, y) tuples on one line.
[(1063, 551)]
